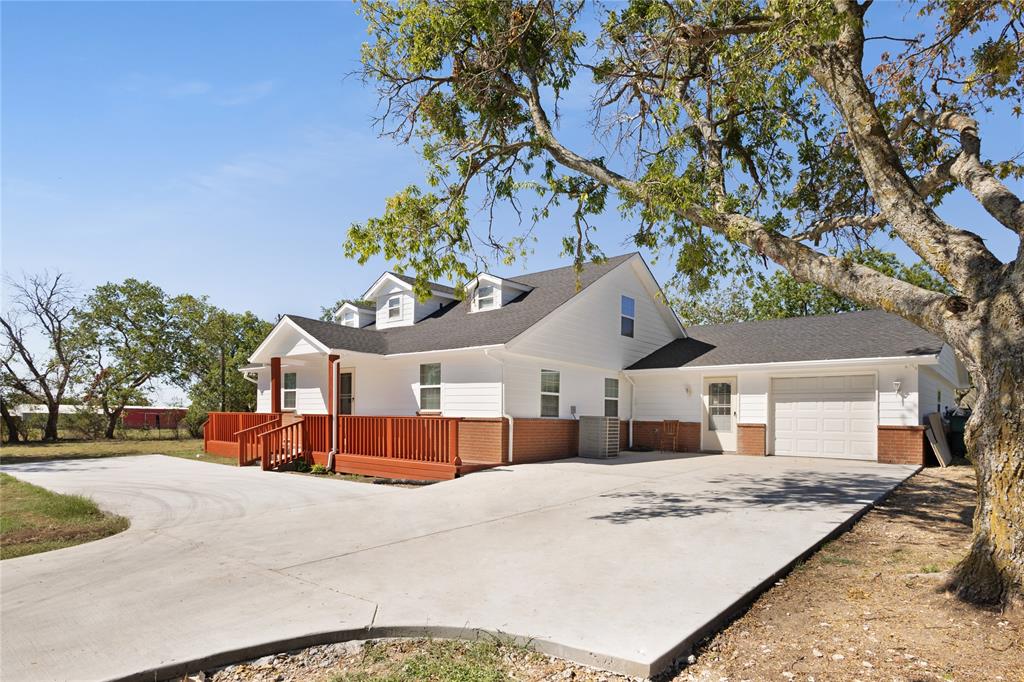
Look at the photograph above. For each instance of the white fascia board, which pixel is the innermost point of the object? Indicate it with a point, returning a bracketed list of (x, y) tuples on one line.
[(387, 277), (286, 323), (797, 364)]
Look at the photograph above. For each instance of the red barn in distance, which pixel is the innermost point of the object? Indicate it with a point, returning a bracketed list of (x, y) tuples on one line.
[(152, 416)]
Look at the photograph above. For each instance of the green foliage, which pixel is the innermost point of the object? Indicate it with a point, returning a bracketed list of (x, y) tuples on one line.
[(219, 343), (707, 109), (781, 295), (318, 469), (727, 303), (129, 340)]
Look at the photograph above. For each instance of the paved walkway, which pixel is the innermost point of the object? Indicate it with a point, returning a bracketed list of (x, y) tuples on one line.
[(619, 564)]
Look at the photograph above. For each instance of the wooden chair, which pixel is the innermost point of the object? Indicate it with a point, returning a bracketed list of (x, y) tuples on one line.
[(669, 431)]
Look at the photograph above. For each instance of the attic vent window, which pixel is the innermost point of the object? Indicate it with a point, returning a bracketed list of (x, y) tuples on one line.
[(394, 308), (484, 297)]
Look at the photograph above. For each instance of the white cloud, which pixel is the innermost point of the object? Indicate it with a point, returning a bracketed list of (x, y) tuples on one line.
[(246, 94), (188, 89)]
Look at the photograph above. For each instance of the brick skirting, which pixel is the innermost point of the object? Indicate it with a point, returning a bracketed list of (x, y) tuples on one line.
[(483, 440), (902, 445), (750, 439), (537, 440), (647, 434)]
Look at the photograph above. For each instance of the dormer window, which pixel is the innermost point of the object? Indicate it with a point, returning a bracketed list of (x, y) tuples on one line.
[(349, 319), (394, 308), (484, 297)]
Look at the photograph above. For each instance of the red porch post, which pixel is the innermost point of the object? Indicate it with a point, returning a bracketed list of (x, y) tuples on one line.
[(332, 382), (275, 385)]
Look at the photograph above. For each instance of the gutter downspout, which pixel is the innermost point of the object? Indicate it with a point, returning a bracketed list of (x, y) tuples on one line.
[(504, 414), (334, 416), (632, 398)]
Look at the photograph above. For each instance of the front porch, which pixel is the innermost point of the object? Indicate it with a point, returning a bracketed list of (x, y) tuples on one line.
[(407, 447)]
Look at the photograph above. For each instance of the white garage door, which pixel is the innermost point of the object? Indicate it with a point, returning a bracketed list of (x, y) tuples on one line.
[(825, 416)]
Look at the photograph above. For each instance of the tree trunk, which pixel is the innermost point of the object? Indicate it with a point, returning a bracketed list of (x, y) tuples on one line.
[(112, 418), (53, 414), (223, 382), (993, 571), (10, 423)]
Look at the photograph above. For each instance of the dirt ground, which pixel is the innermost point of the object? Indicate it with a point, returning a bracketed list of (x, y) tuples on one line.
[(868, 606)]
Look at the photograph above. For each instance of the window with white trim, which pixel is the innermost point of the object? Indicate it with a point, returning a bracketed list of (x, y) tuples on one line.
[(484, 297), (288, 391), (430, 387), (627, 318), (550, 386), (611, 397), (349, 319), (394, 307)]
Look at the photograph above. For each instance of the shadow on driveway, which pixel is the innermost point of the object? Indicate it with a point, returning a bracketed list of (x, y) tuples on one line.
[(792, 491)]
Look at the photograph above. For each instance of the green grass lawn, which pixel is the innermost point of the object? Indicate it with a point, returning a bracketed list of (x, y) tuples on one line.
[(34, 519), (186, 448)]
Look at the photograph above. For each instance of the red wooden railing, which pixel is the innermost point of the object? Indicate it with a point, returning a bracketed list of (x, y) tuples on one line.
[(283, 445), (263, 437), (249, 440), (222, 426), (421, 439), (317, 434)]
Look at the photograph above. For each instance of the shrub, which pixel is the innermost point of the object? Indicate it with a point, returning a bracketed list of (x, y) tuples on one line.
[(318, 469), (193, 421), (301, 465)]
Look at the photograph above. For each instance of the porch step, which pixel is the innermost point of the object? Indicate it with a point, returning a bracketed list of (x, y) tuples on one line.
[(394, 468)]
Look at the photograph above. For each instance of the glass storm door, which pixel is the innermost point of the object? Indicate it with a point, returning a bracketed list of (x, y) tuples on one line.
[(720, 414), (345, 396)]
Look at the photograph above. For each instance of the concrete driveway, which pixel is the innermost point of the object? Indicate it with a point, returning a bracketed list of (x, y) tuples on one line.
[(620, 564)]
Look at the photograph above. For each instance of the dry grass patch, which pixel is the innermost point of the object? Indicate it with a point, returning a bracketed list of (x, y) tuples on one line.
[(33, 519)]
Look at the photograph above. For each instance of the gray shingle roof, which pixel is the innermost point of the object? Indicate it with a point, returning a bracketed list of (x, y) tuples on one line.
[(453, 326), (865, 334)]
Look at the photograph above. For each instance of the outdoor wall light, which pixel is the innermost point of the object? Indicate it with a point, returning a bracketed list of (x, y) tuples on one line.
[(896, 385)]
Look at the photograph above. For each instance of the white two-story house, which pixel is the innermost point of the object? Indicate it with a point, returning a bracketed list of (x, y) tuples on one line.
[(440, 386)]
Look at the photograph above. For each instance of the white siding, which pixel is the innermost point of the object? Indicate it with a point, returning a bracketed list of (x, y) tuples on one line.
[(897, 409), (753, 390), (263, 391), (663, 396), (585, 330), (407, 308), (936, 393), (579, 386), (311, 394)]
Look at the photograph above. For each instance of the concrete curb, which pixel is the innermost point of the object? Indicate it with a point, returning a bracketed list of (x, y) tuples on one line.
[(179, 669)]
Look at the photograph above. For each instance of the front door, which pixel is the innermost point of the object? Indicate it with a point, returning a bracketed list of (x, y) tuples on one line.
[(345, 395), (720, 414)]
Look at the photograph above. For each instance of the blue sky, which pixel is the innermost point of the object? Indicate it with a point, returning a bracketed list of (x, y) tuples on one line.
[(218, 148)]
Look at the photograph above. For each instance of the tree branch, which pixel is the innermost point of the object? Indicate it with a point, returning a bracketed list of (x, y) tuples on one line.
[(969, 171)]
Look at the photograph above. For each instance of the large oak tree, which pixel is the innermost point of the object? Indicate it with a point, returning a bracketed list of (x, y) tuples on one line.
[(737, 131)]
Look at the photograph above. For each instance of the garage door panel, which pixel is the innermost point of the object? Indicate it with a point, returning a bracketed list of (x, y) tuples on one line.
[(827, 416)]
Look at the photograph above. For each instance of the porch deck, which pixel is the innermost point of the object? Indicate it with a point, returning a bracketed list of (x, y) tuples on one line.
[(421, 448)]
